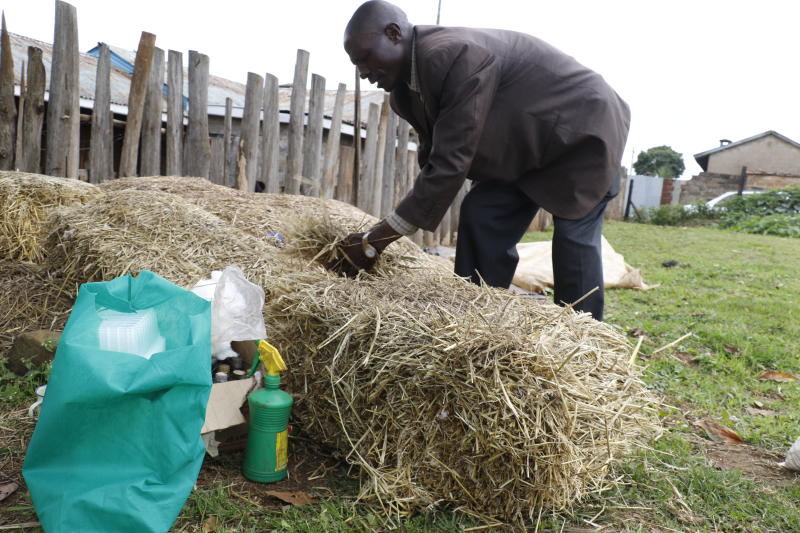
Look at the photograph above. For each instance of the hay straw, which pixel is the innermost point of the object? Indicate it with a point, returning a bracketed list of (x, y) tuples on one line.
[(26, 202), (127, 231), (16, 428), (439, 391), (30, 300), (443, 391)]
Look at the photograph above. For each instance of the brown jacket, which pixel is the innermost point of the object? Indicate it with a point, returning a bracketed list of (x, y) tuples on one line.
[(505, 106)]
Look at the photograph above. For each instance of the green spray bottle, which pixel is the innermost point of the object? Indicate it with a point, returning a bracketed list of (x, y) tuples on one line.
[(266, 457)]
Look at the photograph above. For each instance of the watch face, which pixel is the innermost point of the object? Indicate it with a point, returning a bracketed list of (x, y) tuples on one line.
[(370, 252)]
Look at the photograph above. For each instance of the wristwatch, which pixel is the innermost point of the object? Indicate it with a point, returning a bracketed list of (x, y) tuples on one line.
[(369, 250)]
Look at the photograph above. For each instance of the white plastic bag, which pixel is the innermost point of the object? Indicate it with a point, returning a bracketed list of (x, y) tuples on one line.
[(793, 457), (236, 310)]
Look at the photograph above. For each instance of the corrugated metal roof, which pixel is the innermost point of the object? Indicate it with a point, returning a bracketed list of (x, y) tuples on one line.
[(218, 90), (120, 82)]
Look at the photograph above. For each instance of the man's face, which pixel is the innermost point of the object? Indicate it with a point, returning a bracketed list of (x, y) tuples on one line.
[(378, 56)]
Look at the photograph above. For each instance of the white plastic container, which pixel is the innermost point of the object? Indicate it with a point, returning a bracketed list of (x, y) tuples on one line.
[(136, 333)]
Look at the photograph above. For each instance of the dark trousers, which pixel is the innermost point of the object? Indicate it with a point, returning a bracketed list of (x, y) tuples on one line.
[(495, 216)]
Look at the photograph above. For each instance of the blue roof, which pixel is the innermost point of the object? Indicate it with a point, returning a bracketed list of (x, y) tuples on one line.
[(121, 60)]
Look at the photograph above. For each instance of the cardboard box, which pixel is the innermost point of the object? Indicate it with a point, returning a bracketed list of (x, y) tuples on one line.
[(224, 410)]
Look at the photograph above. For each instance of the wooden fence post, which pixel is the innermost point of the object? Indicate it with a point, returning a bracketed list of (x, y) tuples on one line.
[(271, 135), (413, 170), (101, 147), (389, 154), (380, 154), (133, 125), (175, 114), (366, 178), (401, 166), (73, 100), (31, 133), (197, 155), (8, 110), (357, 141), (312, 144), (294, 164), (216, 169), (150, 158), (346, 175), (251, 118), (228, 178), (61, 111), (331, 162), (742, 181)]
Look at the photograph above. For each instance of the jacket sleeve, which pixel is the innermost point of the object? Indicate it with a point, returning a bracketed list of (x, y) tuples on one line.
[(463, 96)]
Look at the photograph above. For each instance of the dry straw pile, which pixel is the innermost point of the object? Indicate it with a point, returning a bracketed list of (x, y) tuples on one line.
[(130, 230), (30, 300), (443, 391), (439, 391), (26, 202)]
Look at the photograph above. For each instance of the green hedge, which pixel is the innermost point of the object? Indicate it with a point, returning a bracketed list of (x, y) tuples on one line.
[(767, 213)]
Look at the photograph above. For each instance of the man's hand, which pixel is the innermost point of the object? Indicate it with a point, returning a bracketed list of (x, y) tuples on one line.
[(355, 250)]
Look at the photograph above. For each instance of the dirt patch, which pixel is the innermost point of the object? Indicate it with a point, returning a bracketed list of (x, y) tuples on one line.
[(752, 462)]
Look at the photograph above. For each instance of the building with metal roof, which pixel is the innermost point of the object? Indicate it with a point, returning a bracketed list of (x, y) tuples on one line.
[(122, 71)]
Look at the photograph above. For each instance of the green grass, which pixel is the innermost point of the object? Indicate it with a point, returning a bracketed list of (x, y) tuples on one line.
[(739, 297), (333, 516)]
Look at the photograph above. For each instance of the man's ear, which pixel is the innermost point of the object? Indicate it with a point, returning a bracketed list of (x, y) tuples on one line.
[(392, 31)]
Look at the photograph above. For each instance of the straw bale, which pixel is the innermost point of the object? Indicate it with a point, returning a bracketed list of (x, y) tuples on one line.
[(258, 213), (30, 300), (131, 230), (441, 391), (26, 202), (254, 213), (438, 390)]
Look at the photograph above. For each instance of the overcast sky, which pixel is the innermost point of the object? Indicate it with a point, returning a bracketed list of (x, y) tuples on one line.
[(693, 72)]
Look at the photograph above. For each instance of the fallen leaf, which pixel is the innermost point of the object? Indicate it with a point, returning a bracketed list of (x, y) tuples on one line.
[(211, 524), (718, 432), (730, 348), (294, 498), (762, 412), (775, 375)]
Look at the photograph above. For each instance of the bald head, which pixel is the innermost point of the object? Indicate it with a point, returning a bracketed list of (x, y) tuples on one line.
[(378, 41), (374, 16)]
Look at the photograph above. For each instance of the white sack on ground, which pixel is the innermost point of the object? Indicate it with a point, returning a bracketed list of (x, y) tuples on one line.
[(793, 457), (535, 269)]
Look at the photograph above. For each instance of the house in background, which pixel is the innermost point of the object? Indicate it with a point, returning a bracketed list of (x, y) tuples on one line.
[(770, 160), (766, 153)]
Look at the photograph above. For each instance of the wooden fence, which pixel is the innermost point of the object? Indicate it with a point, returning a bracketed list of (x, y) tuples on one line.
[(372, 169)]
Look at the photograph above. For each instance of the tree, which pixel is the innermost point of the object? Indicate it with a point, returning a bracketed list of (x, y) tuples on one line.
[(661, 161)]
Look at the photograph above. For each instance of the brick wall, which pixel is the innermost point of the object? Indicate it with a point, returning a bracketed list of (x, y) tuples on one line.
[(708, 185), (666, 191), (768, 181)]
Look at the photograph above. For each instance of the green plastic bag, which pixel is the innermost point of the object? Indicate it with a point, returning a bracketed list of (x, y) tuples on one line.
[(117, 447)]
